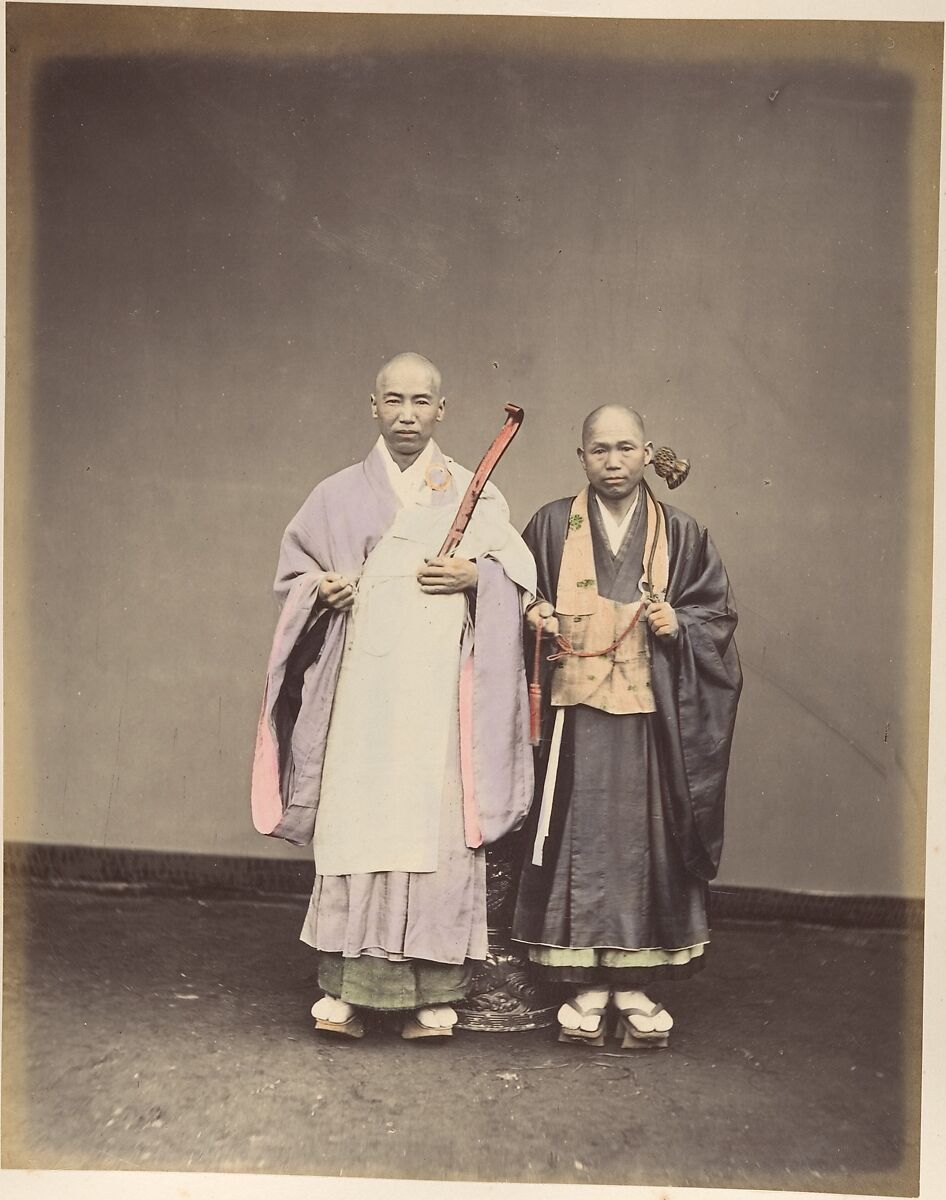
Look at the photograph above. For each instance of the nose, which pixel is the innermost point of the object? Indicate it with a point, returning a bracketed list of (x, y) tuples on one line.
[(406, 416)]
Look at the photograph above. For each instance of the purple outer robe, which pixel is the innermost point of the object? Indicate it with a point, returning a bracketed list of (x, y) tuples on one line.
[(343, 519)]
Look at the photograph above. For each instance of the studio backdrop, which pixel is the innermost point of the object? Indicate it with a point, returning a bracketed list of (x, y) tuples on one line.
[(222, 223)]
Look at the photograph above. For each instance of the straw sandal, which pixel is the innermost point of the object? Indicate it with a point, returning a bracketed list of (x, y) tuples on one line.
[(413, 1028), (591, 1037), (354, 1027), (635, 1038)]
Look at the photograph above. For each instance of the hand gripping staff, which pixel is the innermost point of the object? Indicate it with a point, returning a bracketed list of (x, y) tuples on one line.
[(480, 476)]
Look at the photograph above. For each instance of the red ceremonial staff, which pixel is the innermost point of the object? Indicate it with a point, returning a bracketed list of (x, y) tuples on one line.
[(480, 476)]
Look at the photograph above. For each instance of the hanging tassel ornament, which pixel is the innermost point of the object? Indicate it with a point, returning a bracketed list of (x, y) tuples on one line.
[(674, 470)]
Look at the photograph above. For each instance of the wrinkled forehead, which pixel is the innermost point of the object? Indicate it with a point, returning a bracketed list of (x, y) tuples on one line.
[(408, 377), (614, 425)]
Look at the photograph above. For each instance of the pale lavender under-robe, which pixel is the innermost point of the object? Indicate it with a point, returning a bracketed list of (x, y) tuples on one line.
[(438, 915)]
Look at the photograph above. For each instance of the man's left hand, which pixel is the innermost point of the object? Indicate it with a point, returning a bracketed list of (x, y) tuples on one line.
[(444, 576), (662, 619)]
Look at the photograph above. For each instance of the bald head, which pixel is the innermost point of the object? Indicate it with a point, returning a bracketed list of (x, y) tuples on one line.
[(614, 453), (415, 366), (611, 414), (407, 404)]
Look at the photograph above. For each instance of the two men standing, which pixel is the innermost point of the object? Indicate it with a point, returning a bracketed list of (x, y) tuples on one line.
[(394, 728)]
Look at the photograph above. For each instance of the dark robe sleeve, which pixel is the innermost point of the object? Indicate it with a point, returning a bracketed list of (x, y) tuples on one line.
[(696, 678), (545, 537)]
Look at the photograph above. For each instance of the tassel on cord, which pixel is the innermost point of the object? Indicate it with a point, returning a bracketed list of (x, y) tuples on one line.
[(674, 470)]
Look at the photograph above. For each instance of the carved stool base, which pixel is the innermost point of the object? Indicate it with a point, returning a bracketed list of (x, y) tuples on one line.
[(504, 998)]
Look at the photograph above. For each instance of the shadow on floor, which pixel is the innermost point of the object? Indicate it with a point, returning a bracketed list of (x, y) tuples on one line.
[(165, 1032)]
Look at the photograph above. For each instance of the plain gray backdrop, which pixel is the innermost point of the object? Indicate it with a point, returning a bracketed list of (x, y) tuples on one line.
[(222, 223)]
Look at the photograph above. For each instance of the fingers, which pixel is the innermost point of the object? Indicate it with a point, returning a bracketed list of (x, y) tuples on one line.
[(662, 619), (542, 617), (540, 611), (337, 592), (434, 574), (445, 568), (438, 583), (444, 576)]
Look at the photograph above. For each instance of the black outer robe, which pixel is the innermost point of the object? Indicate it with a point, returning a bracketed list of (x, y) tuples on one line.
[(696, 679)]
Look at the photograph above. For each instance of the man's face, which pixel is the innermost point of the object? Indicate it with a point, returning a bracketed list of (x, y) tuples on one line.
[(615, 454), (407, 406)]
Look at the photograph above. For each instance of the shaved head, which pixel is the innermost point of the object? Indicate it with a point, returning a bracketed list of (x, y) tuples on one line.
[(413, 362), (608, 411), (407, 404), (614, 453)]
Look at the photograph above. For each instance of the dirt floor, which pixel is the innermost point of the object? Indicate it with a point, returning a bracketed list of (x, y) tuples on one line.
[(159, 1032)]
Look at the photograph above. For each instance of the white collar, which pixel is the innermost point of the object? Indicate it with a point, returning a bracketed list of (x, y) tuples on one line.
[(615, 529), (409, 484)]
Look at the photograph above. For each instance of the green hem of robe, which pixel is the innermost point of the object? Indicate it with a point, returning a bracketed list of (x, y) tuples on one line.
[(381, 983), (562, 956)]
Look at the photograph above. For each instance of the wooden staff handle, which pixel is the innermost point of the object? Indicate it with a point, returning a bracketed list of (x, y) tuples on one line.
[(480, 476)]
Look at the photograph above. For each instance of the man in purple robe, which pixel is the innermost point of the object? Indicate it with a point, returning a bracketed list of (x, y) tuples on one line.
[(640, 707), (393, 731)]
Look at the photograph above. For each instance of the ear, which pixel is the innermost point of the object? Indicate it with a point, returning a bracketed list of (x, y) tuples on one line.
[(581, 457), (374, 407), (441, 408), (648, 453)]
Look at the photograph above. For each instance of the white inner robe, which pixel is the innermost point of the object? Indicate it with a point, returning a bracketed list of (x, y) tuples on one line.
[(394, 716), (396, 697)]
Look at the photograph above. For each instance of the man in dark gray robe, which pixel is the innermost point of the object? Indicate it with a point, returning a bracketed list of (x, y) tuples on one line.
[(640, 704)]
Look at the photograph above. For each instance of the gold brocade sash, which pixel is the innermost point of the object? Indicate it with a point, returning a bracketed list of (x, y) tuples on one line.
[(617, 680)]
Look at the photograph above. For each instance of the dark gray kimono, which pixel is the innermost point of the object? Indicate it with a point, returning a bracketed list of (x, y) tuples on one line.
[(637, 825)]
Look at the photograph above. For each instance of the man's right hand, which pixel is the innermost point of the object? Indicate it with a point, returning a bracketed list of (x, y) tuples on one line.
[(337, 592), (542, 616)]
